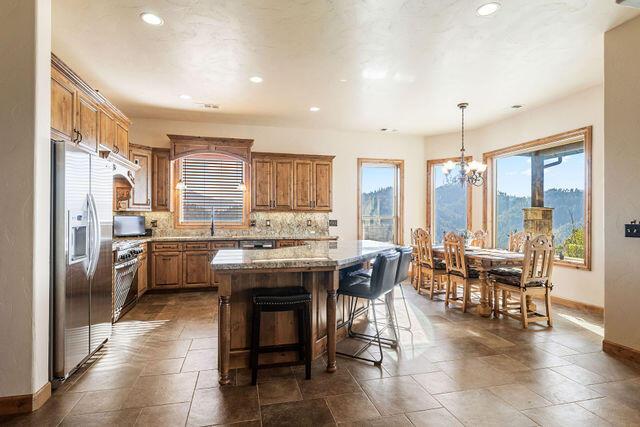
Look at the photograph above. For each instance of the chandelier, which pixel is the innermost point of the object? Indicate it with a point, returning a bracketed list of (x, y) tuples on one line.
[(468, 172)]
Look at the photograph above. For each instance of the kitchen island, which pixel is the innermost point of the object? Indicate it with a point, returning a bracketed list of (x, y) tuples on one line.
[(316, 266)]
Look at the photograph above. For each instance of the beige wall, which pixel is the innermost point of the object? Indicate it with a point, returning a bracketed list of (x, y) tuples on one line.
[(346, 146), (25, 43), (581, 109), (621, 177)]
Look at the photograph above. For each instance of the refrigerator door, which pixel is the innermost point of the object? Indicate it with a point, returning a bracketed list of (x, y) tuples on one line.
[(101, 281), (71, 259)]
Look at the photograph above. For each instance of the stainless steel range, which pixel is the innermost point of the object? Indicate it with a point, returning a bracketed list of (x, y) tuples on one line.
[(125, 292)]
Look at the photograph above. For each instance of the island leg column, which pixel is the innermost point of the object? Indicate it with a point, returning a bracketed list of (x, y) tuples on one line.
[(331, 321), (224, 328)]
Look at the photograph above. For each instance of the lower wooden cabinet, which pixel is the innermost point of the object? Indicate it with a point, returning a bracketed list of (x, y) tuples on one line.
[(196, 268), (143, 274), (166, 270)]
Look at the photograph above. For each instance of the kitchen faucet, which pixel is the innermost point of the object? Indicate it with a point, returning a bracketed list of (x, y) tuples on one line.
[(213, 225)]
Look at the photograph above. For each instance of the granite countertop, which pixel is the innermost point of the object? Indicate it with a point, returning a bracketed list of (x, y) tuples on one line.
[(313, 254), (120, 243)]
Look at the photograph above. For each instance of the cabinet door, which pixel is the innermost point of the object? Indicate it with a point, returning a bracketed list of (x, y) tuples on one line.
[(262, 184), (141, 192), (283, 184), (160, 182), (121, 145), (212, 273), (322, 194), (303, 184), (107, 134), (142, 274), (195, 268), (63, 95), (87, 121), (167, 270)]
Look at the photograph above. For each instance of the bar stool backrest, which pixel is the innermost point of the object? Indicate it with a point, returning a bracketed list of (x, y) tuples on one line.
[(454, 254), (384, 273), (404, 263), (538, 261)]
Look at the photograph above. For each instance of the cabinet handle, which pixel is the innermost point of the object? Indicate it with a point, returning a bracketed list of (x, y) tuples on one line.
[(80, 135), (75, 136), (116, 150)]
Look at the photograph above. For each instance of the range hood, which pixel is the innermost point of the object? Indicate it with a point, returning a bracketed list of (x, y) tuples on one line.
[(122, 168)]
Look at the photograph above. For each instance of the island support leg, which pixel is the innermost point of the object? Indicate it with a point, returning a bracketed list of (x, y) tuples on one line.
[(224, 332), (331, 321)]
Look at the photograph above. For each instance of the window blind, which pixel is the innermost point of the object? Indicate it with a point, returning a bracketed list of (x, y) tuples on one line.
[(212, 188)]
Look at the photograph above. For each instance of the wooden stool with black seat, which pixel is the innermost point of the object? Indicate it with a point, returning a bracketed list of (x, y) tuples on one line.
[(296, 299)]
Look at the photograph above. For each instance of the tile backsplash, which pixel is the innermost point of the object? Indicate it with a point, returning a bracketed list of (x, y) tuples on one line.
[(288, 224)]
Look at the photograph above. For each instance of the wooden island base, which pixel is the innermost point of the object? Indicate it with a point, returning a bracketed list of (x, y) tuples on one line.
[(276, 328)]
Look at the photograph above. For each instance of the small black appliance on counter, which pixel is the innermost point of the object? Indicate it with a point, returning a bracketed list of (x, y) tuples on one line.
[(128, 226)]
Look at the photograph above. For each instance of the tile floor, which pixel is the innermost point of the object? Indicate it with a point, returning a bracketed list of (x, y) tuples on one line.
[(159, 368)]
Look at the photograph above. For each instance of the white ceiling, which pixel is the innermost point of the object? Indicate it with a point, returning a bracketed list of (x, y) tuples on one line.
[(425, 56)]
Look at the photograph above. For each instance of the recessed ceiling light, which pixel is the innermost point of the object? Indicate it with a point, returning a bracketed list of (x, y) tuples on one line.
[(343, 80), (488, 8), (255, 79), (184, 96), (151, 19), (516, 106), (314, 109)]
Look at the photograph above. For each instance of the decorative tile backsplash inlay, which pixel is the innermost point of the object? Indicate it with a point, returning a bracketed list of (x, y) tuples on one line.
[(289, 224)]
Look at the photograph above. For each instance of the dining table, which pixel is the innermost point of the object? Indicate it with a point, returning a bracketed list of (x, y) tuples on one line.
[(483, 260)]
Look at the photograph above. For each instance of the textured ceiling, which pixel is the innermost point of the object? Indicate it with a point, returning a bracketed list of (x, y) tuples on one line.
[(407, 63)]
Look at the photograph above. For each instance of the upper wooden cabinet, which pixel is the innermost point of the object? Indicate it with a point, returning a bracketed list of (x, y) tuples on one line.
[(160, 179), (63, 99), (286, 182), (82, 115), (141, 192)]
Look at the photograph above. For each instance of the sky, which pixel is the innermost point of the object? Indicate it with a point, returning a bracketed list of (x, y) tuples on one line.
[(376, 177), (514, 174)]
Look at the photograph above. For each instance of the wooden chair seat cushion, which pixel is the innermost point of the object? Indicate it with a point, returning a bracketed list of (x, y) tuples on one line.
[(437, 265), (506, 271), (471, 273), (515, 281)]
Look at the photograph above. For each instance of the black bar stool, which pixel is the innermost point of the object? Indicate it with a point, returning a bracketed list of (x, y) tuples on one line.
[(296, 299), (382, 281)]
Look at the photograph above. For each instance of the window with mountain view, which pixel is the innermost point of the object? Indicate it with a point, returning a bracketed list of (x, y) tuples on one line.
[(555, 176), (449, 201), (380, 193)]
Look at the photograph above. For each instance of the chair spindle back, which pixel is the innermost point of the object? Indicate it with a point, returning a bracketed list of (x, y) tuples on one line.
[(517, 240), (454, 253), (538, 260)]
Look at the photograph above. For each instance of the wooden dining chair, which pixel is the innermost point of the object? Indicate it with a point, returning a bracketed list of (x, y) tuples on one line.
[(459, 274), (432, 273), (517, 240), (479, 239), (414, 260), (535, 280)]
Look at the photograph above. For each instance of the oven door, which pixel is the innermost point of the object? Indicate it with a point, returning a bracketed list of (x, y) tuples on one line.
[(124, 293)]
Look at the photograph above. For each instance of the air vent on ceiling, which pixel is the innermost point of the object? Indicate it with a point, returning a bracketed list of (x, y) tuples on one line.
[(629, 3), (211, 106)]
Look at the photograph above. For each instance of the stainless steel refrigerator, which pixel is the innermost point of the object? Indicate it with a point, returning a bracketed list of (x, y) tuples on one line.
[(82, 256)]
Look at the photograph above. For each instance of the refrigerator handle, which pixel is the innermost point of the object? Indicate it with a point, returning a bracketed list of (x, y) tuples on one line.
[(96, 234)]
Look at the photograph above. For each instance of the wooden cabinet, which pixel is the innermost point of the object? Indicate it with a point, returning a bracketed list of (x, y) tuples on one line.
[(160, 180), (107, 134), (87, 121), (166, 271), (303, 179), (63, 104), (262, 184), (143, 273), (195, 268), (141, 192), (322, 183), (185, 264), (82, 115), (288, 243), (285, 182), (121, 142)]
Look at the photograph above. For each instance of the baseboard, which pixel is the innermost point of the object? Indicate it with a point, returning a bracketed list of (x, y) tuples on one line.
[(11, 405), (621, 351), (589, 308)]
